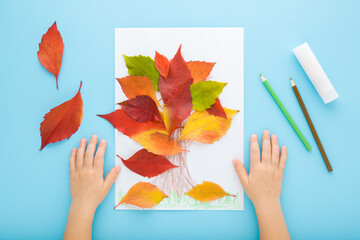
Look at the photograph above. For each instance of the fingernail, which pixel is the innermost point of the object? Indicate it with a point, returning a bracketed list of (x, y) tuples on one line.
[(274, 136), (266, 132), (235, 162), (118, 169), (253, 136), (103, 141)]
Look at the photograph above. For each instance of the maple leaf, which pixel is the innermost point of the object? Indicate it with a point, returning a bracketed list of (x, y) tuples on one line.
[(144, 195), (141, 108), (142, 66), (179, 78), (158, 143), (147, 164), (62, 121), (128, 126), (204, 94), (205, 128), (162, 64), (207, 191), (216, 109), (200, 70), (133, 86), (51, 50)]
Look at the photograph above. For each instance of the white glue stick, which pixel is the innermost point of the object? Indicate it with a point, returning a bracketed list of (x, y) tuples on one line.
[(315, 72)]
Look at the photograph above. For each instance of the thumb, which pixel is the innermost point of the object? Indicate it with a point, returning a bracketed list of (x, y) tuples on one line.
[(111, 177), (241, 172)]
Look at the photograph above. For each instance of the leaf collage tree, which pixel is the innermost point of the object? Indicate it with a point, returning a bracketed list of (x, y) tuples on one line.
[(189, 110)]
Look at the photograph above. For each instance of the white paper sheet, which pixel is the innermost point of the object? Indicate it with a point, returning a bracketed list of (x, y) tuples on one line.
[(206, 162)]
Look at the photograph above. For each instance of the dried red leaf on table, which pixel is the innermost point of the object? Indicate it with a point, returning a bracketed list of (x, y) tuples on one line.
[(179, 77), (62, 121), (200, 70), (217, 110), (147, 164), (141, 108), (162, 64), (51, 50), (128, 126), (144, 195)]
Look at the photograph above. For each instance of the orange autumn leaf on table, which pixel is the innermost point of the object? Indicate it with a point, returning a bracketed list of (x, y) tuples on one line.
[(205, 128), (62, 121), (158, 143), (51, 50), (133, 86), (144, 195), (200, 70), (207, 191), (162, 64)]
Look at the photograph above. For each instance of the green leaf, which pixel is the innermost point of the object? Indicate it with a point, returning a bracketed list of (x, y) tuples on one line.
[(204, 94), (143, 66)]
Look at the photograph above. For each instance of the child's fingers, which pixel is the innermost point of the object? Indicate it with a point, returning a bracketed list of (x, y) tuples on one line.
[(274, 151), (254, 152), (90, 152), (99, 156), (283, 157), (80, 154), (241, 172), (111, 177), (266, 148), (72, 161)]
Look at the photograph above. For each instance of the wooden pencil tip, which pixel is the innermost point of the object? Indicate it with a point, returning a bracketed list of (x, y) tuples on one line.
[(262, 78), (292, 82)]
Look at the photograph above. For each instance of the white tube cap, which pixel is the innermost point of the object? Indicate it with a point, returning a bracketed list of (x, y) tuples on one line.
[(315, 72)]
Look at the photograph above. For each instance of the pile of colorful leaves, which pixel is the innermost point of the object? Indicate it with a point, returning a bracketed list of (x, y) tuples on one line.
[(187, 97)]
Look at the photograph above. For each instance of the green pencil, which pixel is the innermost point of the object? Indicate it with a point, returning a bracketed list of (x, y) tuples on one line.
[(286, 113)]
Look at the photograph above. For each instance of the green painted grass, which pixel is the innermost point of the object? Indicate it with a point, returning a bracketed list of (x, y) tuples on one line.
[(186, 202)]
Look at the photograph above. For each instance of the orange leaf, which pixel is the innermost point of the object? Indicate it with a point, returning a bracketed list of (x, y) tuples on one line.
[(200, 70), (144, 195), (133, 86), (62, 121), (128, 126), (162, 64), (158, 143), (51, 50), (205, 128), (207, 191)]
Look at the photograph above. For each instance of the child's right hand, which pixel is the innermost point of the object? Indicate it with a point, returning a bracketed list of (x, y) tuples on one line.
[(263, 184)]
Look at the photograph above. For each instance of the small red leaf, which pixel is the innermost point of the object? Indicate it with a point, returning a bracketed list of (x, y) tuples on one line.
[(141, 108), (51, 51), (128, 126), (162, 64), (217, 110), (62, 121), (147, 164)]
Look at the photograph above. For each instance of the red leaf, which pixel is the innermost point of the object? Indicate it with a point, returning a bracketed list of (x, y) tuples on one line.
[(217, 110), (162, 64), (62, 121), (128, 126), (141, 108), (177, 109), (51, 50), (147, 164), (179, 77)]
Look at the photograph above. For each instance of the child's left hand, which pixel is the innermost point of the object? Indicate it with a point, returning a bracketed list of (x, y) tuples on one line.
[(87, 185)]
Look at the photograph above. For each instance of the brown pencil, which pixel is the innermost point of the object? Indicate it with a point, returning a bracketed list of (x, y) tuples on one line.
[(311, 125)]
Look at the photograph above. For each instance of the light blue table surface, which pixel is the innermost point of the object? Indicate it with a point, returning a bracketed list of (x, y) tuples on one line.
[(34, 184)]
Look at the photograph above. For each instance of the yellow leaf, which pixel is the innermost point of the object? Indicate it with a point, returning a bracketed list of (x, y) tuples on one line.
[(144, 195), (207, 191), (206, 128), (158, 143)]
